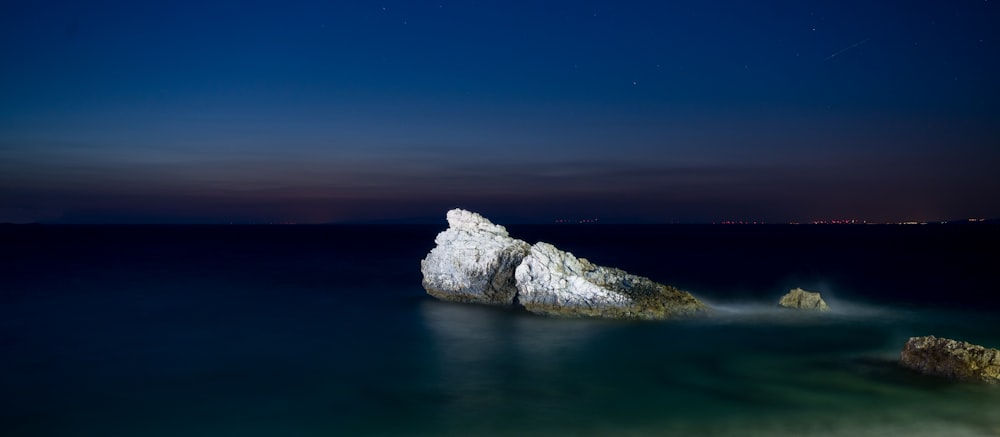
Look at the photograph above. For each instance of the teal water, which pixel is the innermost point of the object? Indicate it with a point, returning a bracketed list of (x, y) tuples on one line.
[(323, 332), (755, 371)]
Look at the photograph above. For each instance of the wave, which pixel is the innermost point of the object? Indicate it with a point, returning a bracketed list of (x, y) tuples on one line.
[(769, 311)]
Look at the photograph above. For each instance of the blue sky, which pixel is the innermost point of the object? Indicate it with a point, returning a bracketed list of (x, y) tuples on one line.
[(629, 111)]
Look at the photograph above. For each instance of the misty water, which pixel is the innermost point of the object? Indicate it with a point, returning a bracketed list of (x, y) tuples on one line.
[(325, 330)]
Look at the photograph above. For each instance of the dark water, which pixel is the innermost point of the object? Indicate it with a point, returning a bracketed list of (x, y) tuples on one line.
[(325, 330)]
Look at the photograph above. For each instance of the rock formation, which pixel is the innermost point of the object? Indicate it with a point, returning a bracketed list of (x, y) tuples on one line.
[(800, 299), (473, 262), (554, 282), (477, 261), (952, 359)]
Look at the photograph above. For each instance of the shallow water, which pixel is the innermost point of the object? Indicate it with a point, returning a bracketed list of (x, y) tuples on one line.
[(754, 373), (322, 331)]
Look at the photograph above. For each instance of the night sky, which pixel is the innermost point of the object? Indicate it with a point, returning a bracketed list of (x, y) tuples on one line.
[(315, 112)]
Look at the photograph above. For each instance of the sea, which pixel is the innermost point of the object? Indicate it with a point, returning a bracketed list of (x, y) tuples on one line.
[(325, 330)]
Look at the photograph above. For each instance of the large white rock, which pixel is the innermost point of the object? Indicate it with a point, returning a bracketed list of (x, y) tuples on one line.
[(553, 282), (474, 261)]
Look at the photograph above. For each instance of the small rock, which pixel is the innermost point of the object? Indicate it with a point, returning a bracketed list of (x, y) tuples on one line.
[(952, 359), (803, 300)]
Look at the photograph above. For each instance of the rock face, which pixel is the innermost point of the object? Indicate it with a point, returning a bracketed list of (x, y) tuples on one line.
[(800, 299), (952, 359), (554, 282), (474, 261)]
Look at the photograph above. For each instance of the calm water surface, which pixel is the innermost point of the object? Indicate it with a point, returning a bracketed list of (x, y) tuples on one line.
[(325, 330)]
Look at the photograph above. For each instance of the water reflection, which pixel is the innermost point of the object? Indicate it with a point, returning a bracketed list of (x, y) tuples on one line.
[(500, 368), (465, 335)]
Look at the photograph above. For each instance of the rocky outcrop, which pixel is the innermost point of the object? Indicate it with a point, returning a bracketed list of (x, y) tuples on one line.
[(474, 261), (800, 299), (477, 261), (554, 282), (952, 359)]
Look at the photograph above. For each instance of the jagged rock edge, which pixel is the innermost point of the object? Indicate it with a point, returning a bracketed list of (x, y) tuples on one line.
[(558, 300)]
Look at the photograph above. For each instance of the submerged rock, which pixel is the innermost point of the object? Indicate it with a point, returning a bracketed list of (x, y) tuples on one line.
[(952, 359), (554, 282), (798, 298), (474, 261)]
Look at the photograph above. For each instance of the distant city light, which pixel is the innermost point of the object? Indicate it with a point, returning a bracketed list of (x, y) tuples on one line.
[(578, 221)]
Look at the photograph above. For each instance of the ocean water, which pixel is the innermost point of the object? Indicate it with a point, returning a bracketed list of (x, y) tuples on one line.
[(326, 331)]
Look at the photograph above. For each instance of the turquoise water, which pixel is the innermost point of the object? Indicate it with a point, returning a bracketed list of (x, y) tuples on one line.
[(322, 332), (755, 371)]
